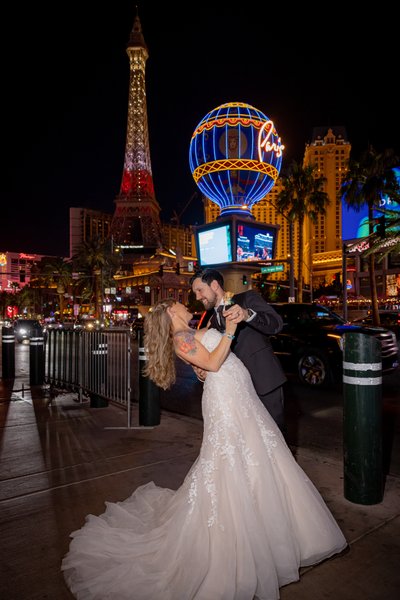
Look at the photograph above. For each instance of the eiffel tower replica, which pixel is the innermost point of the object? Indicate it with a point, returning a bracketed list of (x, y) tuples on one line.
[(136, 226)]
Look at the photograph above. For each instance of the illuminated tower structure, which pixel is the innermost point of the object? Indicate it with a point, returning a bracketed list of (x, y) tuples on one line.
[(329, 150), (136, 227)]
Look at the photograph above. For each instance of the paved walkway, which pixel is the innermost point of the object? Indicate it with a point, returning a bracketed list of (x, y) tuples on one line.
[(61, 460)]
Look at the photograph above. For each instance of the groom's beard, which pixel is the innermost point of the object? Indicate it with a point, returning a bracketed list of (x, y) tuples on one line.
[(209, 304)]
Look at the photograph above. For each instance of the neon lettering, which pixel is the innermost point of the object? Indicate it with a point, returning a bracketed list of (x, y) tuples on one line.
[(265, 144)]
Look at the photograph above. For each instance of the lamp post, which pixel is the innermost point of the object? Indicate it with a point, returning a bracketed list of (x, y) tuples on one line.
[(99, 291), (292, 297), (344, 281), (292, 293), (311, 280)]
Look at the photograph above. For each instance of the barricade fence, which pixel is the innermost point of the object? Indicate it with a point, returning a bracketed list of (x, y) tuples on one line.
[(92, 363)]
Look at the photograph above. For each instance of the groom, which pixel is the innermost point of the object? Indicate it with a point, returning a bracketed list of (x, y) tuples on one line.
[(256, 320)]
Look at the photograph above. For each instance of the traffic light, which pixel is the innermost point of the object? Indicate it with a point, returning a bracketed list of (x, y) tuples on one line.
[(381, 227), (178, 268), (161, 270), (244, 279)]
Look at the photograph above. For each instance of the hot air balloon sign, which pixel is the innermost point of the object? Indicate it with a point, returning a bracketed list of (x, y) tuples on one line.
[(235, 157)]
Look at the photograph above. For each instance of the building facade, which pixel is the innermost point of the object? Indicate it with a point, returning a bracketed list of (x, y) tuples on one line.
[(329, 150), (16, 269), (86, 224)]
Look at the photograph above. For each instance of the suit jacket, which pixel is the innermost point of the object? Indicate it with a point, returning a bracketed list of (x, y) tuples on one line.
[(251, 343)]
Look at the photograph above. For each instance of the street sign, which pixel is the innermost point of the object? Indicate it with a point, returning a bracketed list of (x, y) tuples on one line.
[(272, 269)]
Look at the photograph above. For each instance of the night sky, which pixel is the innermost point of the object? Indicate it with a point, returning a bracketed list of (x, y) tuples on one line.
[(65, 90)]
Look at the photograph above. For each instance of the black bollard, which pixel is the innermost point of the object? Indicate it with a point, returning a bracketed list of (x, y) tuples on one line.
[(149, 393), (8, 352), (36, 357), (362, 419)]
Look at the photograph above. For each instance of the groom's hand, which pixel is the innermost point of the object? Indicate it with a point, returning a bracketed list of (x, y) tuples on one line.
[(201, 374), (236, 313)]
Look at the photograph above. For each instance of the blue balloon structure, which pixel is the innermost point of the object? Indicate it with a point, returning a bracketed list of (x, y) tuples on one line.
[(235, 157)]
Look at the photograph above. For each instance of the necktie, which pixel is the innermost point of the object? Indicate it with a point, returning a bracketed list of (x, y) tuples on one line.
[(220, 318)]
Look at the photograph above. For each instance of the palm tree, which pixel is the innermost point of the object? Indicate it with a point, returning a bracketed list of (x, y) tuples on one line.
[(6, 299), (96, 265), (26, 299), (58, 271), (367, 181), (302, 196)]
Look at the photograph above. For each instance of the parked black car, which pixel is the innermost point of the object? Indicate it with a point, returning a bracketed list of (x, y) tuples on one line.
[(25, 329), (310, 343), (390, 319)]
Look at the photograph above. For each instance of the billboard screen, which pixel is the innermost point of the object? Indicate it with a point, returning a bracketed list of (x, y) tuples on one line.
[(214, 244), (235, 240), (254, 241), (355, 223)]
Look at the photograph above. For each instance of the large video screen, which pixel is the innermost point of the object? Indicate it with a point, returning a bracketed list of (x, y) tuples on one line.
[(355, 223), (214, 244), (235, 240), (254, 241)]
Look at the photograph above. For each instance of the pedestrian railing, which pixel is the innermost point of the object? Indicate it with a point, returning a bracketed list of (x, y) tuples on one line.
[(93, 364), (96, 364)]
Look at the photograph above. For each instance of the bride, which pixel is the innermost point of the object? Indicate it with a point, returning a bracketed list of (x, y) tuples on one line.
[(246, 517)]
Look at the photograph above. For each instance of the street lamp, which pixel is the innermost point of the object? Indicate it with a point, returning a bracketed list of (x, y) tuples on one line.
[(344, 281), (292, 296), (311, 278), (291, 261)]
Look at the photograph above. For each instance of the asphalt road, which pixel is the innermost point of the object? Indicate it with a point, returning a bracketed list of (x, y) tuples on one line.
[(315, 418)]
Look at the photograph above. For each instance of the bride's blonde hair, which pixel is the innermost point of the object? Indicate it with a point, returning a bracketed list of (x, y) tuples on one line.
[(159, 346)]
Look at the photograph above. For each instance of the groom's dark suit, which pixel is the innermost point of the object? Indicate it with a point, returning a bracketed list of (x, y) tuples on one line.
[(254, 349)]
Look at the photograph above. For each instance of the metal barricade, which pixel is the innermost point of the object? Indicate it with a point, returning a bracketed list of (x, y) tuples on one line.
[(93, 363)]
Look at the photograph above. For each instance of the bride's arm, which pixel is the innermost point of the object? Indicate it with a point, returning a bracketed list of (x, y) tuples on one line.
[(193, 352)]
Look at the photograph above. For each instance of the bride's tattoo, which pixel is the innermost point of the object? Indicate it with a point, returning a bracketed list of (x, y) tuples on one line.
[(184, 341)]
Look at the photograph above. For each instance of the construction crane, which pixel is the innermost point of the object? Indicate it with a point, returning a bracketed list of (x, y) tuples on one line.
[(177, 218)]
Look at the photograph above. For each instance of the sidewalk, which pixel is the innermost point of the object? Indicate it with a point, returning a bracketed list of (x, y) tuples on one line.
[(61, 460)]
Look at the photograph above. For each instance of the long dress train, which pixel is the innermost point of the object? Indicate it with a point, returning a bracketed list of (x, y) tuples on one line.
[(242, 523)]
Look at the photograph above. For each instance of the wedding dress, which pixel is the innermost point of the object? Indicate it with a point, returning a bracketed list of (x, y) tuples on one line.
[(242, 523)]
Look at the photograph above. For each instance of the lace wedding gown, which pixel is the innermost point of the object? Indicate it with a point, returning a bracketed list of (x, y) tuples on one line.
[(244, 520)]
